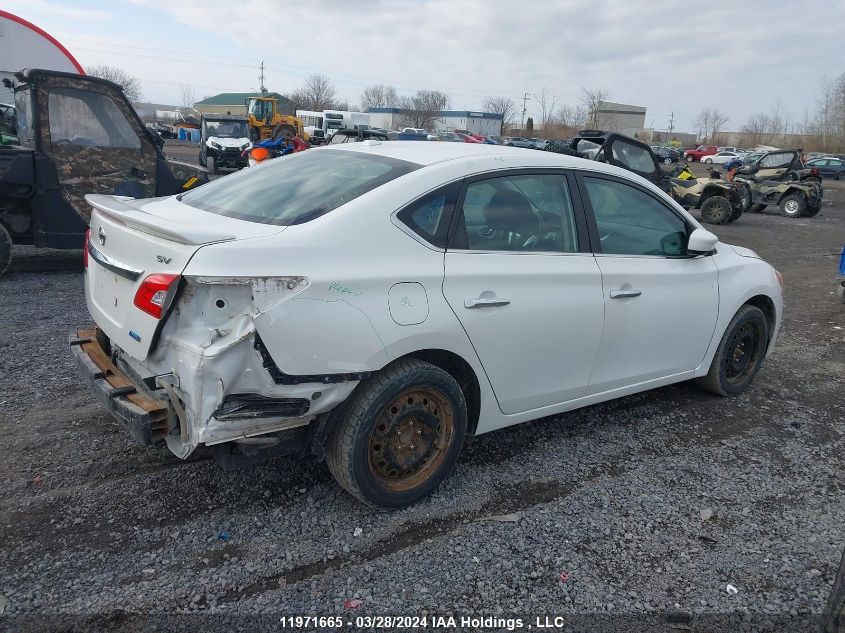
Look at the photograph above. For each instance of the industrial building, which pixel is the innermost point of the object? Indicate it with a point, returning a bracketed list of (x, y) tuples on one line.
[(235, 103), (620, 117), (484, 123)]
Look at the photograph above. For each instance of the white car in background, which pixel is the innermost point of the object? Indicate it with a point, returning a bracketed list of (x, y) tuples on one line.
[(720, 158), (377, 302)]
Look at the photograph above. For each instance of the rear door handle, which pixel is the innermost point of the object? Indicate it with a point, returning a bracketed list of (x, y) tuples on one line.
[(486, 303), (624, 294)]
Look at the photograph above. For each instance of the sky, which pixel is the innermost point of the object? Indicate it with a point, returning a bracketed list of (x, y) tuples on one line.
[(740, 57)]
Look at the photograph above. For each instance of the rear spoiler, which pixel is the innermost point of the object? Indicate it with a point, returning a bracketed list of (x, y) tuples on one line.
[(169, 228)]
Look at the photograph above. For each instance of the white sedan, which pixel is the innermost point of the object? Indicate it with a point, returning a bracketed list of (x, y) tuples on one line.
[(376, 303), (720, 158)]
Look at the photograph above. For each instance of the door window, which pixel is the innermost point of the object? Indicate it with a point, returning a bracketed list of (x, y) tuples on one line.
[(88, 119), (631, 222), (632, 156), (518, 213)]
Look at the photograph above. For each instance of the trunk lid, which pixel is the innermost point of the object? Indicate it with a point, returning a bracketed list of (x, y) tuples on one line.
[(132, 239)]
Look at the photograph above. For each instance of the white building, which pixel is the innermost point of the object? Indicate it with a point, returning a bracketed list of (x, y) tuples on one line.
[(484, 123)]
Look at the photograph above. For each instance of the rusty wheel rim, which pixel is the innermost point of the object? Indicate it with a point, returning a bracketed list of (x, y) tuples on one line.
[(410, 438)]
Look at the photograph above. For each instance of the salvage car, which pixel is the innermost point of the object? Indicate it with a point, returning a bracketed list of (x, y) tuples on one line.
[(377, 303)]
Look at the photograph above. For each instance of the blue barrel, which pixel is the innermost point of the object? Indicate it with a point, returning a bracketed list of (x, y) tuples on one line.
[(182, 134)]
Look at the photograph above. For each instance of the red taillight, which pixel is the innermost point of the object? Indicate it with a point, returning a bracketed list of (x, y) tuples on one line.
[(154, 292), (85, 249)]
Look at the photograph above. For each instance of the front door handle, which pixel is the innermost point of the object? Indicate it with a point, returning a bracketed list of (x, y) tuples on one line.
[(486, 303), (624, 294)]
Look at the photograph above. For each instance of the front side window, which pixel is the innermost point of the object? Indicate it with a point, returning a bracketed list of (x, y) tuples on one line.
[(23, 115), (88, 119), (631, 222), (633, 157), (298, 188), (518, 213)]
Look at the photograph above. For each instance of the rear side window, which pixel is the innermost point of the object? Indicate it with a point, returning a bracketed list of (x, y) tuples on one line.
[(429, 216), (526, 213), (297, 188)]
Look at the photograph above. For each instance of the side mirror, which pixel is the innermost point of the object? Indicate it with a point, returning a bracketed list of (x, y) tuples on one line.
[(701, 242)]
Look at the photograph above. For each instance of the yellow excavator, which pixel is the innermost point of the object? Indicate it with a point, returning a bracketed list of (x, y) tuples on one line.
[(266, 122)]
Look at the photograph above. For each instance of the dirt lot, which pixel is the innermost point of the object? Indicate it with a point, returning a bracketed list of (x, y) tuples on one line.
[(645, 508)]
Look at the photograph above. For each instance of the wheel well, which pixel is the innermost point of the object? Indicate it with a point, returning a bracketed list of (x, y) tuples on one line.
[(461, 371), (768, 307)]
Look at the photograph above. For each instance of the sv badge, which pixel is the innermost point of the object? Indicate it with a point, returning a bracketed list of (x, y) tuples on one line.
[(163, 259)]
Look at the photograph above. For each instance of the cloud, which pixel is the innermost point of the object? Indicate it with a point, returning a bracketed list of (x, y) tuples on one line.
[(740, 57), (55, 9)]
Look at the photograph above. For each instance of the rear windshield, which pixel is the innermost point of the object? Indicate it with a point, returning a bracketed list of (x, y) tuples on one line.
[(297, 188)]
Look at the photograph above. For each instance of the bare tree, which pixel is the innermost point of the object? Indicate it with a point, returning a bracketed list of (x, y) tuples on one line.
[(318, 93), (187, 94), (546, 101), (379, 96), (571, 117), (504, 106), (592, 100), (130, 84), (709, 121), (424, 107)]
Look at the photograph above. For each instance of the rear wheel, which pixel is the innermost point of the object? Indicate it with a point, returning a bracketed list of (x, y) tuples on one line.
[(740, 353), (793, 205), (400, 434), (745, 198), (5, 249), (716, 210), (667, 160), (809, 212), (709, 161)]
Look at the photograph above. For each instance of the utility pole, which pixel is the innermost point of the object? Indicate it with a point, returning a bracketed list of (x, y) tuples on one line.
[(525, 98), (261, 78), (671, 122)]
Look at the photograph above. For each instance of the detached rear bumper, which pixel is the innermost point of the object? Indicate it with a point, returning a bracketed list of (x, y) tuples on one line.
[(145, 418)]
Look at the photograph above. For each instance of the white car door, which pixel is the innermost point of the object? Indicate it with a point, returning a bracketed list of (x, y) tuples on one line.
[(660, 304), (521, 280)]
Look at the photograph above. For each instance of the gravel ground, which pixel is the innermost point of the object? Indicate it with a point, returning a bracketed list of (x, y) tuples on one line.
[(644, 508)]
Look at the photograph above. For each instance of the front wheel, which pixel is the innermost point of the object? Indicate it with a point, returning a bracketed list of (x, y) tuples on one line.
[(5, 249), (716, 210), (740, 353), (793, 205), (667, 160), (211, 163), (399, 435), (810, 212), (709, 161)]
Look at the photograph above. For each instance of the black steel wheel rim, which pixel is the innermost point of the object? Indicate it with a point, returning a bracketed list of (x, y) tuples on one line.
[(742, 352)]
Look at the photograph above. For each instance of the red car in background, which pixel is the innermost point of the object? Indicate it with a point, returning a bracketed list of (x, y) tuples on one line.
[(693, 155), (469, 138)]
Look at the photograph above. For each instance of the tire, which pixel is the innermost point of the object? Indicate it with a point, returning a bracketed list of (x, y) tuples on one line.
[(211, 163), (739, 355), (737, 214), (810, 212), (756, 208), (363, 452), (201, 159), (709, 161), (667, 160), (840, 175), (716, 210), (745, 197), (5, 249), (793, 206)]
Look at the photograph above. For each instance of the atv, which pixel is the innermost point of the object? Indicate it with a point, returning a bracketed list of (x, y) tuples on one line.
[(77, 135), (780, 178), (719, 201)]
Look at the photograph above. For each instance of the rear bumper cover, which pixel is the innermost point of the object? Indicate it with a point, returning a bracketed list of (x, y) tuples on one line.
[(144, 418)]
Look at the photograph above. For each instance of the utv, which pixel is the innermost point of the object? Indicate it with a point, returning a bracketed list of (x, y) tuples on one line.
[(780, 178), (223, 142), (718, 200), (78, 135)]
